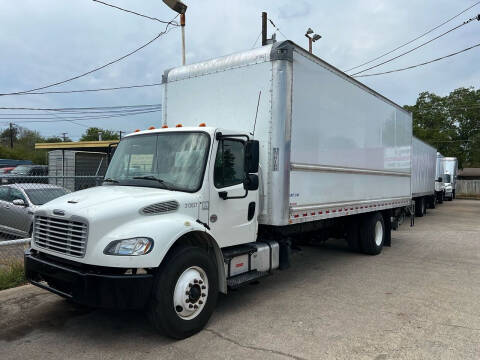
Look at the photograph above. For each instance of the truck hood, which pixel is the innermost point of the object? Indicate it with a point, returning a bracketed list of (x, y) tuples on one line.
[(109, 201)]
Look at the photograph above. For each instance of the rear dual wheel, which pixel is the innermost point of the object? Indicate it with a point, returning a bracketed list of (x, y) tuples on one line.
[(366, 234)]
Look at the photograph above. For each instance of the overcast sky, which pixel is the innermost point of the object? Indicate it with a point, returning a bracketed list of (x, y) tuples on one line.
[(47, 41)]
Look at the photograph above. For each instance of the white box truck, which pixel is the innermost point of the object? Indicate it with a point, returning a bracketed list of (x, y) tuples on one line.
[(215, 198), (424, 158), (450, 165), (439, 181)]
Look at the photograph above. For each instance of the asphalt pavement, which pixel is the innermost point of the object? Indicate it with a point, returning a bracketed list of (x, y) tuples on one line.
[(419, 299)]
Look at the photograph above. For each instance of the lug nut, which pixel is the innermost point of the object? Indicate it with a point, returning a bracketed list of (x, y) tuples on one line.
[(203, 295), (187, 293), (200, 282), (190, 285), (200, 302), (195, 281), (190, 306), (195, 307), (203, 287), (187, 300)]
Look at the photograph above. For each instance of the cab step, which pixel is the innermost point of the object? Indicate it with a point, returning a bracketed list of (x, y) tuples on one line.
[(245, 278)]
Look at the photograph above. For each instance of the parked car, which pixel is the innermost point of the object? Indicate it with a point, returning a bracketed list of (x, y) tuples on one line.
[(26, 174), (18, 202), (6, 170)]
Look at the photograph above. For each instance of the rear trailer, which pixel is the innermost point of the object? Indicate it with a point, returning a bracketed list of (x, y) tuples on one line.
[(424, 159)]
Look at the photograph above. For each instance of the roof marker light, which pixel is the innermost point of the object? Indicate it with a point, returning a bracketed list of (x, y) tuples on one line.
[(165, 126), (202, 125), (137, 130), (151, 128), (178, 125)]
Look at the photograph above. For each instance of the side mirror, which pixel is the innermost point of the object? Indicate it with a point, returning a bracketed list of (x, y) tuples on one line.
[(19, 202), (252, 150), (251, 182), (440, 179)]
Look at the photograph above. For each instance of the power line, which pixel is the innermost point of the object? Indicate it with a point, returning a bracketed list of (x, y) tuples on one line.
[(422, 64), (276, 27), (88, 90), (419, 46), (42, 120), (99, 67), (258, 37), (418, 37), (81, 108), (135, 13)]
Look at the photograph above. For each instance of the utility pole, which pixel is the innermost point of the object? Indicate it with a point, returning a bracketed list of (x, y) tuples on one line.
[(264, 28), (64, 136), (120, 133), (11, 136)]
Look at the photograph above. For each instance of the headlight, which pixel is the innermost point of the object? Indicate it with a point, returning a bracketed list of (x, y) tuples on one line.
[(132, 247)]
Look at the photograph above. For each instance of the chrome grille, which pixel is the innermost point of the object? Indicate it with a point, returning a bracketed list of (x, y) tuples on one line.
[(62, 236), (160, 208)]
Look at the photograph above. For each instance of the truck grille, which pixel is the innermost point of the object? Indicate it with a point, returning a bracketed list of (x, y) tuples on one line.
[(59, 235)]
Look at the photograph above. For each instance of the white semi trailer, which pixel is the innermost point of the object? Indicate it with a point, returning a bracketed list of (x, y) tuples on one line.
[(256, 149), (450, 165), (424, 158)]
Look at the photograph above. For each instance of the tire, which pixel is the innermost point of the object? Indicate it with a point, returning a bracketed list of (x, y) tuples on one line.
[(183, 266), (440, 198), (420, 207), (433, 202), (450, 198), (372, 234)]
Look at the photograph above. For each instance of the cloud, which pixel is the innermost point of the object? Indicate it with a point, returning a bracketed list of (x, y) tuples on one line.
[(51, 42)]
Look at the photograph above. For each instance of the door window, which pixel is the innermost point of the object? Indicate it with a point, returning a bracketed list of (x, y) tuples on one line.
[(4, 193), (16, 194), (229, 163)]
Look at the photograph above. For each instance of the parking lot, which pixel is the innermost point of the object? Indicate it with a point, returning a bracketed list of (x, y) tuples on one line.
[(417, 300)]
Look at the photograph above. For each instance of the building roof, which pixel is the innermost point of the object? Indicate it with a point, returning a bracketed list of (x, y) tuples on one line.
[(101, 146)]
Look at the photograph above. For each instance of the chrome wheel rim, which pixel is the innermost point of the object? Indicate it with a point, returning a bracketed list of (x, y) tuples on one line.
[(191, 293), (378, 233)]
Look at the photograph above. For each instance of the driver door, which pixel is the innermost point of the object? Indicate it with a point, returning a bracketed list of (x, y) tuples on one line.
[(231, 221)]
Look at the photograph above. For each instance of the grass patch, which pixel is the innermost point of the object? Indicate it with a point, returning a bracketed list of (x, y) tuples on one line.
[(12, 274)]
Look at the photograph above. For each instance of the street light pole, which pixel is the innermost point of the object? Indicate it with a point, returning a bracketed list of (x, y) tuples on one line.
[(311, 39), (181, 8), (182, 25)]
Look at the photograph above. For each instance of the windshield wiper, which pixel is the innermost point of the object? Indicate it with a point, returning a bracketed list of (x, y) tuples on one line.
[(111, 180), (153, 178)]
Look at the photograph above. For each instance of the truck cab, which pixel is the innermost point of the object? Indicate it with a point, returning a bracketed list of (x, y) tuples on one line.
[(176, 192)]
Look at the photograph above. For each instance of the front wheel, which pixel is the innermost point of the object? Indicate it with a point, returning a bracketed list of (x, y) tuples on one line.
[(185, 292)]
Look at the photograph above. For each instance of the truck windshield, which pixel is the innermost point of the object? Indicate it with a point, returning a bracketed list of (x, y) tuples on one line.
[(173, 160)]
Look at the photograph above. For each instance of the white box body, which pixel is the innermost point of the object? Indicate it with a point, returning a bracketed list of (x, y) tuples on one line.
[(424, 158), (329, 145)]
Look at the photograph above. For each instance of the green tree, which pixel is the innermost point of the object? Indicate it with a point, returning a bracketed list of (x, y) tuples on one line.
[(91, 134), (450, 123)]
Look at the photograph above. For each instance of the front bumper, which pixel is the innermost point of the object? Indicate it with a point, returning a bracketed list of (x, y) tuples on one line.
[(88, 285)]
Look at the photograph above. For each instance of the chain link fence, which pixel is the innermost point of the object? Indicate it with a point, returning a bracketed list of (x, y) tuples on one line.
[(19, 197)]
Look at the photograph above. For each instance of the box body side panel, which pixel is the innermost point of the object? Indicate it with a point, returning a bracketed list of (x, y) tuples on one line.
[(347, 145), (424, 159)]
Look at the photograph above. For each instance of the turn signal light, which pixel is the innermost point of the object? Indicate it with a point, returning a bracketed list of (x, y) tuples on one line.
[(202, 125), (164, 126), (151, 128), (179, 125)]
